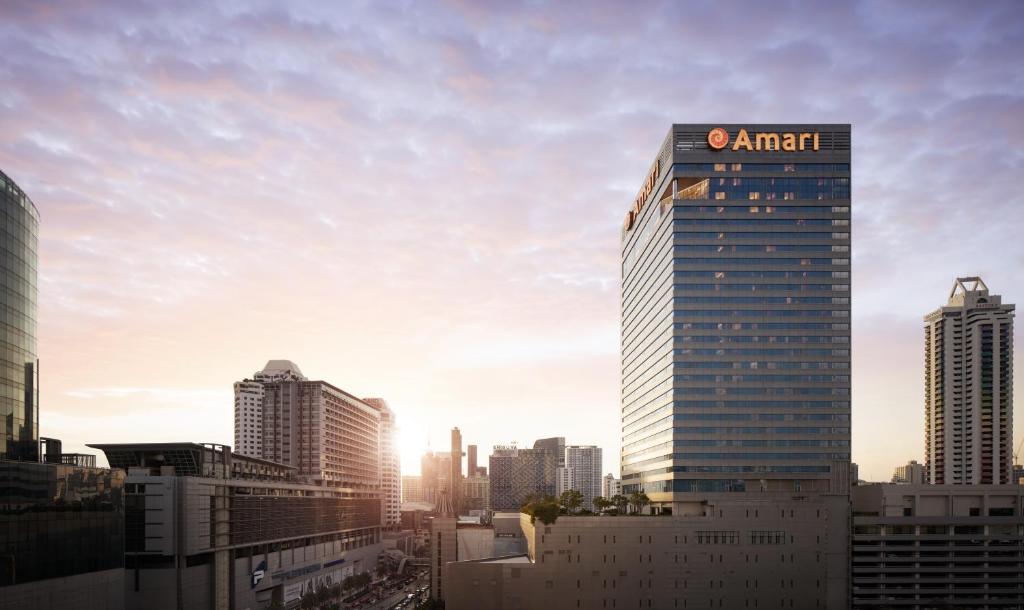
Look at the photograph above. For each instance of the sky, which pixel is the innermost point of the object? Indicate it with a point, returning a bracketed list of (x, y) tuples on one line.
[(423, 200)]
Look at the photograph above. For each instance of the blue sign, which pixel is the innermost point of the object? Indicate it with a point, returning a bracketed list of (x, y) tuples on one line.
[(259, 573)]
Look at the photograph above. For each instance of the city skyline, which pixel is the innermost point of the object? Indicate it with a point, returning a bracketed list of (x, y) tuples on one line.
[(289, 214)]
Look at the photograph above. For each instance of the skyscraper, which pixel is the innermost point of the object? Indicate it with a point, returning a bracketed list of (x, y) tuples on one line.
[(249, 395), (455, 478), (471, 461), (735, 311), (19, 373), (390, 463), (969, 387)]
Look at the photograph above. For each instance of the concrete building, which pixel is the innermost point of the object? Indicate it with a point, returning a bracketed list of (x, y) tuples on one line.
[(435, 469), (62, 533), (788, 552), (555, 445), (735, 314), (476, 493), (585, 462), (565, 479), (443, 544), (455, 478), (938, 546), (610, 486), (912, 473), (19, 360), (207, 529), (471, 464), (390, 462), (412, 488), (249, 395), (516, 473), (969, 387)]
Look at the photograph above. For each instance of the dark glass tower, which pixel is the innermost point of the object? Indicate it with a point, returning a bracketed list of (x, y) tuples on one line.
[(736, 314), (19, 365)]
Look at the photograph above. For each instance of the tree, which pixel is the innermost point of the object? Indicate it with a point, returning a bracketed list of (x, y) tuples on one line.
[(621, 502), (602, 504), (571, 500), (638, 500), (546, 510)]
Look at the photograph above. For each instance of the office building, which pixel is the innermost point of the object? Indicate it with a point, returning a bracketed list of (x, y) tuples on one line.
[(476, 493), (471, 465), (969, 387), (61, 537), (938, 546), (435, 469), (585, 463), (19, 373), (610, 486), (911, 474), (517, 473), (412, 488), (249, 395), (735, 311), (455, 476), (555, 445), (735, 554), (208, 529), (390, 462)]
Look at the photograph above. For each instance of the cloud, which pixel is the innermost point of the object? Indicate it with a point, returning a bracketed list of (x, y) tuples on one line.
[(373, 189)]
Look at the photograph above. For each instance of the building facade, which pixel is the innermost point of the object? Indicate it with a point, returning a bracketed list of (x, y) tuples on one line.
[(969, 387), (476, 493), (61, 537), (207, 529), (249, 395), (455, 475), (585, 461), (517, 473), (412, 488), (610, 486), (789, 552), (19, 373), (735, 310), (912, 474), (390, 462), (435, 469), (938, 546)]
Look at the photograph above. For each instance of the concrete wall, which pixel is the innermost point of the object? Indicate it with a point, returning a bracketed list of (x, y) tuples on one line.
[(93, 591), (722, 558)]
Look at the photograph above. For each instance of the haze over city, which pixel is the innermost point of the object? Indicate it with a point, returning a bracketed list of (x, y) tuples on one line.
[(424, 202)]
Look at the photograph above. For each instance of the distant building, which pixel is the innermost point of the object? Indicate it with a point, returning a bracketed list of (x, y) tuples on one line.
[(390, 462), (455, 478), (249, 395), (61, 537), (912, 474), (610, 486), (444, 547), (937, 546), (435, 468), (207, 529), (854, 473), (476, 493), (585, 461), (969, 387), (1018, 474), (516, 473), (565, 479), (471, 465), (555, 445), (412, 488)]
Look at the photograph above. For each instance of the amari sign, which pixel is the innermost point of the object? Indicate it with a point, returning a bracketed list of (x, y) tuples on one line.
[(718, 139)]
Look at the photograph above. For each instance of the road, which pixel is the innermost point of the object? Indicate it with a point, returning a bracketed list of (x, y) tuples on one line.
[(397, 596)]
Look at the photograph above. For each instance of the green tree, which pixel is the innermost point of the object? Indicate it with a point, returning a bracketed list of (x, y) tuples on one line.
[(602, 504), (571, 500), (545, 509), (638, 500), (621, 502)]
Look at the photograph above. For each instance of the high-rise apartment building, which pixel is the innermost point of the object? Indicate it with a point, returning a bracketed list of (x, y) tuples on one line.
[(390, 462), (911, 474), (555, 445), (331, 437), (585, 463), (517, 473), (735, 311), (412, 488), (19, 362), (249, 395), (969, 387)]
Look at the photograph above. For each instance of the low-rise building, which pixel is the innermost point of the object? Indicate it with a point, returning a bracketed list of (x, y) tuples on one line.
[(207, 529), (938, 546), (778, 551), (61, 537)]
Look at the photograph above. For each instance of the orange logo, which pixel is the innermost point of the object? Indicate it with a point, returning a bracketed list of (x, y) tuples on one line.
[(718, 138)]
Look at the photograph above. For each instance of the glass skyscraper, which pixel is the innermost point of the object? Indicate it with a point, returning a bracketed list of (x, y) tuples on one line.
[(735, 314), (19, 366)]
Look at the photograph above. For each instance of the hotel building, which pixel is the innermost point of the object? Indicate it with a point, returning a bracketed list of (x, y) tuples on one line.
[(969, 387), (736, 314)]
